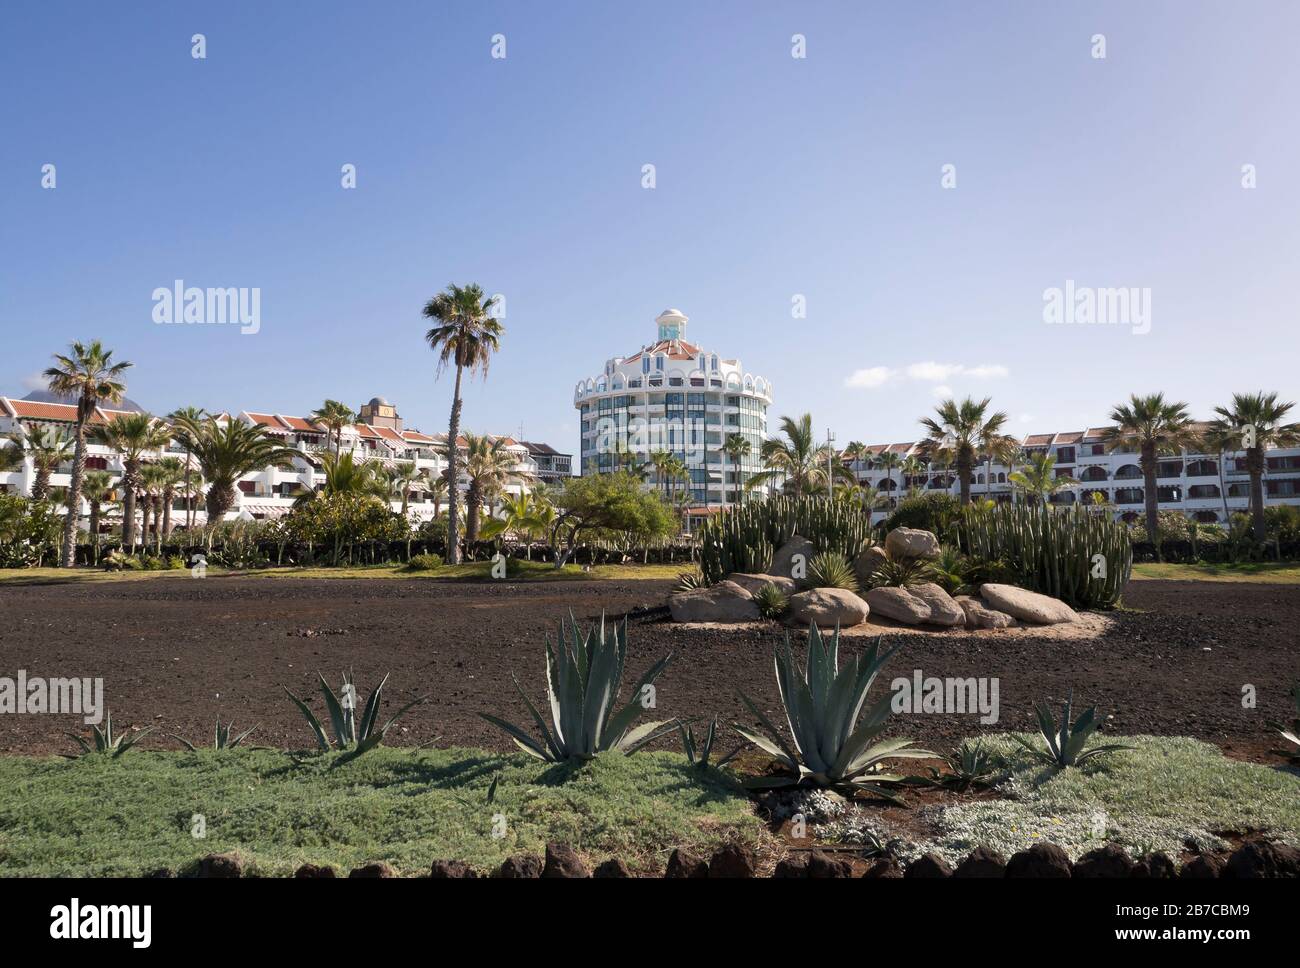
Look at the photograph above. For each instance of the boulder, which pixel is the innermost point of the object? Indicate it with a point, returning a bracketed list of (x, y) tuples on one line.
[(783, 560), (1107, 861), (796, 865), (928, 866), (314, 870), (681, 863), (724, 602), (885, 867), (868, 563), (1040, 860), (753, 583), (451, 870), (980, 616), (1027, 606), (614, 867), (519, 867), (563, 861), (732, 860), (221, 865), (822, 866), (982, 862), (1262, 859), (1200, 867), (904, 543), (943, 610), (377, 868), (828, 607), (898, 604), (1156, 865)]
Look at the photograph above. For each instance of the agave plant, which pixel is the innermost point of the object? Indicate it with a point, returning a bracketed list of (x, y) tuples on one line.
[(583, 675), (899, 573), (698, 752), (823, 704), (353, 735), (969, 765), (830, 569), (690, 580), (1290, 733), (223, 738), (1065, 743), (771, 601), (106, 741)]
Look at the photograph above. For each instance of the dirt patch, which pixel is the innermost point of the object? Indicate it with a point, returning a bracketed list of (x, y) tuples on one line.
[(180, 653)]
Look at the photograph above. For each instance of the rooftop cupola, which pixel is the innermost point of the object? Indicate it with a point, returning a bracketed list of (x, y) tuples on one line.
[(672, 324)]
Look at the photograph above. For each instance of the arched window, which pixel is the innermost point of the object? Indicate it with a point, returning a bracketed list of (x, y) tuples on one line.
[(1094, 473), (1129, 472)]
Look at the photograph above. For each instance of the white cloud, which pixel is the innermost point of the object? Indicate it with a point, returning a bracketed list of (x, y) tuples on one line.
[(1026, 418), (34, 381), (942, 390), (869, 378)]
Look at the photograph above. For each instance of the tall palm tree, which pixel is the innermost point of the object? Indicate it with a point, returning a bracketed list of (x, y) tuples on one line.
[(48, 449), (437, 487), (403, 479), (1000, 448), (888, 461), (956, 436), (465, 335), (489, 467), (910, 470), (345, 475), (1263, 414), (735, 449), (1150, 426), (658, 462), (173, 476), (154, 480), (226, 452), (132, 435), (334, 416), (797, 462), (88, 373), (97, 488), (524, 515), (1037, 478), (185, 421), (1222, 438)]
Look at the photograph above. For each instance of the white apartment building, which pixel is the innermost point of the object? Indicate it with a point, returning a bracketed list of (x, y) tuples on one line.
[(1192, 482), (377, 436), (675, 396)]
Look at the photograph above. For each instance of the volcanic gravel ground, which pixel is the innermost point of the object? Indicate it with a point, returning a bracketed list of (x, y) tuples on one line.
[(179, 653)]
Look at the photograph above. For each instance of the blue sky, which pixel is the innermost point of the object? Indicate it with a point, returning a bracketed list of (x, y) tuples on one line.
[(775, 177)]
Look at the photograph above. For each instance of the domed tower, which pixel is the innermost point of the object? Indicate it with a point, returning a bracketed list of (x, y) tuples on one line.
[(380, 413), (675, 396)]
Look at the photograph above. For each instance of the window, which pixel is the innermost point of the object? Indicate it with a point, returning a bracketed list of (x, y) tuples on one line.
[(1065, 455), (645, 364)]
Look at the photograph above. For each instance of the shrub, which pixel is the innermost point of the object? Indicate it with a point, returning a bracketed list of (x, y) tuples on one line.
[(771, 601), (424, 562), (353, 736), (935, 511), (1066, 742), (899, 573), (831, 570), (107, 742), (690, 580), (746, 537), (1072, 554), (175, 562)]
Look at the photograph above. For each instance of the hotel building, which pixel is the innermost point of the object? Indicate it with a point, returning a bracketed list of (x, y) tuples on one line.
[(378, 436), (673, 395), (1203, 486)]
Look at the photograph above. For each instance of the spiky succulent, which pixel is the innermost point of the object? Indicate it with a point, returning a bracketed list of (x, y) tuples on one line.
[(1290, 733), (970, 764), (771, 601), (830, 569), (699, 751), (352, 735), (106, 741), (1066, 742), (901, 572), (823, 703), (583, 675), (223, 738), (690, 580)]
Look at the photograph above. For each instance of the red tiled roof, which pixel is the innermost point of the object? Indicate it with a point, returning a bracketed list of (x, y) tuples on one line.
[(415, 437), (1038, 440), (674, 349), (901, 448), (266, 420), (1069, 437), (30, 410), (389, 434), (298, 423), (366, 432)]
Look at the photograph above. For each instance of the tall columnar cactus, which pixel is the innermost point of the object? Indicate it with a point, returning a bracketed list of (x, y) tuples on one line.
[(745, 538), (1073, 554)]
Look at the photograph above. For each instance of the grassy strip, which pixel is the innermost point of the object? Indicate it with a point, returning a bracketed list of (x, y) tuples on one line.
[(102, 817), (526, 571), (1266, 572), (1167, 790)]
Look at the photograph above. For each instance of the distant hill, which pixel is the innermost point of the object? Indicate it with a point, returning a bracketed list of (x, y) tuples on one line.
[(48, 396)]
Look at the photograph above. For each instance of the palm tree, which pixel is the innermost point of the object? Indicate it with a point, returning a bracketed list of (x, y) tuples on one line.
[(97, 488), (174, 475), (437, 487), (998, 447), (524, 514), (345, 475), (154, 479), (888, 460), (1151, 426), (465, 335), (489, 467), (659, 462), (12, 452), (735, 449), (960, 431), (334, 416), (185, 421), (1257, 420), (403, 479), (226, 452), (797, 461), (132, 435), (48, 449), (89, 374), (910, 470), (1038, 480), (1222, 438)]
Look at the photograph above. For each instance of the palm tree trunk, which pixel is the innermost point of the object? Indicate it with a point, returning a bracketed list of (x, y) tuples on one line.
[(453, 482), (1255, 464), (146, 504), (219, 500), (128, 508), (473, 509), (168, 498), (69, 547), (157, 522), (963, 473), (1151, 498), (1223, 492)]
